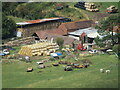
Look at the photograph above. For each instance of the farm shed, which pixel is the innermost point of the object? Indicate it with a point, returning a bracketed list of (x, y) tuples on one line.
[(43, 48), (86, 36), (27, 28), (50, 36), (90, 32)]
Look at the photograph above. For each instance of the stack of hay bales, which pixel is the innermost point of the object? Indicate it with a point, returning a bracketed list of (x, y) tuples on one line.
[(87, 6), (91, 7), (18, 42), (38, 49)]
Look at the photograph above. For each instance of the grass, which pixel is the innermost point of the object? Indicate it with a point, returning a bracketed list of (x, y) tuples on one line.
[(17, 48), (15, 76), (100, 5), (104, 5), (16, 19), (71, 12)]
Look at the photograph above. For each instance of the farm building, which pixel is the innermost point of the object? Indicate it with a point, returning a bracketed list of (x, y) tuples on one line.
[(27, 28), (63, 31), (73, 26), (86, 36), (51, 36), (42, 48)]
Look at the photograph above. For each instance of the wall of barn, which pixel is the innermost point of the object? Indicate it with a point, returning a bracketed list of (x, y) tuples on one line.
[(29, 30)]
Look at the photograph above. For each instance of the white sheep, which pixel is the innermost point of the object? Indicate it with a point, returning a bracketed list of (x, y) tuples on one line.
[(102, 70), (107, 71)]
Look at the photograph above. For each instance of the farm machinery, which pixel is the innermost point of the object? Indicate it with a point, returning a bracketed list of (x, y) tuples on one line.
[(112, 9)]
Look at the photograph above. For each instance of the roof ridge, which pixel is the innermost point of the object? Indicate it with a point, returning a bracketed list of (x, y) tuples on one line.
[(76, 21)]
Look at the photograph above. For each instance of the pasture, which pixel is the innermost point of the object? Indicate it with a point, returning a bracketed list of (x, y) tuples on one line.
[(14, 74)]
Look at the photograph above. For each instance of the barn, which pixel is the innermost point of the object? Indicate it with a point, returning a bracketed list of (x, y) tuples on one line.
[(27, 28)]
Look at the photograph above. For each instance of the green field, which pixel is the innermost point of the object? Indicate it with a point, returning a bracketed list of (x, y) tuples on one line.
[(15, 76)]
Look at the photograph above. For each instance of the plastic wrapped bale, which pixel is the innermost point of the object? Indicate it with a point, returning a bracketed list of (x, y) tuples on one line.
[(27, 58), (30, 69), (39, 63), (68, 68), (55, 64), (41, 66)]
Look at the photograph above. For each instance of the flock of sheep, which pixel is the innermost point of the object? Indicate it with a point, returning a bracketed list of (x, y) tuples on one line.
[(103, 70)]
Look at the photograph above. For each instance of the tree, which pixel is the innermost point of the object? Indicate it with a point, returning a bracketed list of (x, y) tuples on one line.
[(116, 49), (8, 27), (60, 42), (108, 24), (105, 28), (8, 8)]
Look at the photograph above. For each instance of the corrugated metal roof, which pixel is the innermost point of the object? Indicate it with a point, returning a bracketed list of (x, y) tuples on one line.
[(38, 21), (85, 30)]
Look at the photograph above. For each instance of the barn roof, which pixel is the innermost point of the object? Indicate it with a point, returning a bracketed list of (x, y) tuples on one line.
[(46, 33), (39, 21), (90, 32), (85, 30), (76, 25)]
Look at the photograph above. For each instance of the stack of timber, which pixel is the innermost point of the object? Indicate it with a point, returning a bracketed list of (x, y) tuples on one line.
[(87, 6), (38, 49), (18, 42)]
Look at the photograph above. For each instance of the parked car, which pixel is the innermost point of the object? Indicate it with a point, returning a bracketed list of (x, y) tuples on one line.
[(6, 52), (93, 51)]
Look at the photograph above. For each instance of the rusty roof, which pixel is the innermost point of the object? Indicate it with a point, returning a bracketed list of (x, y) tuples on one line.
[(39, 21), (76, 25)]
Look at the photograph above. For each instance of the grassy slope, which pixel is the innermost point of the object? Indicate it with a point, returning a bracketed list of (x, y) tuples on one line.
[(104, 5), (100, 5), (14, 75), (16, 19), (71, 12)]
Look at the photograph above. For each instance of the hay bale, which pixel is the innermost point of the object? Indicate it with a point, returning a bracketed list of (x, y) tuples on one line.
[(41, 66)]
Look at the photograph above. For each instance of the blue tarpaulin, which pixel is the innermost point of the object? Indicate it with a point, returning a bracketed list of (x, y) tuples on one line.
[(59, 54), (2, 54), (56, 54)]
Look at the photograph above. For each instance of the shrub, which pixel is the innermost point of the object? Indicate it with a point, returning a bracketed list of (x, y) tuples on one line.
[(116, 49), (60, 42), (52, 59)]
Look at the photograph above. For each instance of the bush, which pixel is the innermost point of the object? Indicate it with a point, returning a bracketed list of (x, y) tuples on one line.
[(52, 59), (60, 42), (116, 49)]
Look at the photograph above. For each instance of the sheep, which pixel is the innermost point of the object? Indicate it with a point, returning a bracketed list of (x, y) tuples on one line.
[(107, 71), (102, 70)]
